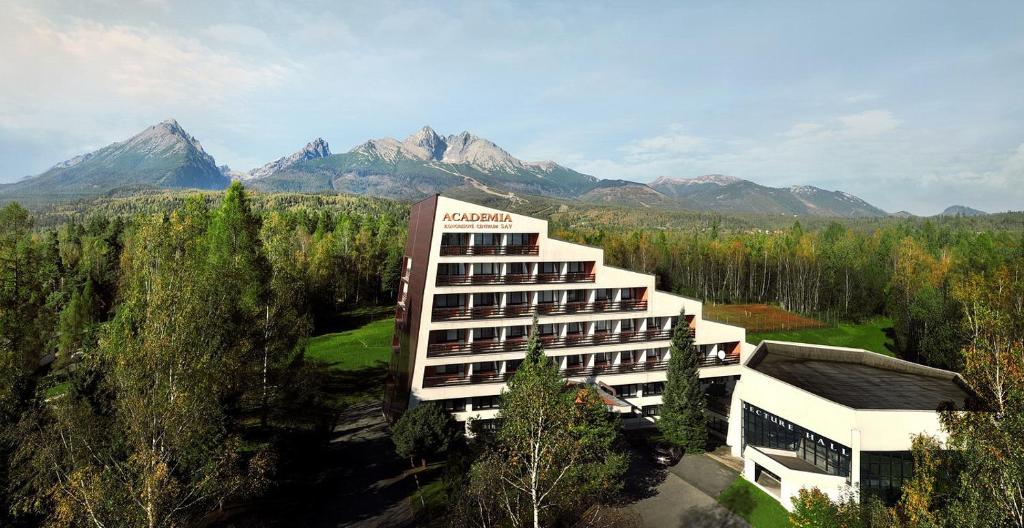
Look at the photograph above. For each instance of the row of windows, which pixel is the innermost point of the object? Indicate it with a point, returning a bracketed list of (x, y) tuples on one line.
[(487, 239), (549, 329), (511, 268), (763, 429), (453, 300), (639, 389), (572, 361), (883, 473)]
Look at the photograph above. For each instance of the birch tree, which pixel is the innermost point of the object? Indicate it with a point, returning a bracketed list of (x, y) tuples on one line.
[(552, 453)]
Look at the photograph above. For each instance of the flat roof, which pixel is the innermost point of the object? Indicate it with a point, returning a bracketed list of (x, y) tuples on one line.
[(858, 378)]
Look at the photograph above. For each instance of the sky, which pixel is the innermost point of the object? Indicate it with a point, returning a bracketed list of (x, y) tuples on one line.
[(910, 105)]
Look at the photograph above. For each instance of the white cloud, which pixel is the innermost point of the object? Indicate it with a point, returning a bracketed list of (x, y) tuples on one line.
[(665, 146), (869, 123), (114, 66)]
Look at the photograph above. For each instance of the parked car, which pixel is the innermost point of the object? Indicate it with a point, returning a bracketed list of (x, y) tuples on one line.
[(666, 454)]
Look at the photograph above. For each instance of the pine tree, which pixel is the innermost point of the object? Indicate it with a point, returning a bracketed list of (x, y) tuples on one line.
[(683, 421)]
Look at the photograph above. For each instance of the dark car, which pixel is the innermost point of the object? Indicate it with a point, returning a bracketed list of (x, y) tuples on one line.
[(666, 454)]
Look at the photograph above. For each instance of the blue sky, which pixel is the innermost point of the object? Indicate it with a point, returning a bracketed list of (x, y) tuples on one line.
[(910, 105)]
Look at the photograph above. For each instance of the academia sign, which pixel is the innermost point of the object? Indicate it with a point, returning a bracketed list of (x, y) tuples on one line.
[(485, 220), (477, 217)]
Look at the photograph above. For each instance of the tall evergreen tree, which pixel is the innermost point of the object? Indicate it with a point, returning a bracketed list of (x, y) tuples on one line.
[(683, 420)]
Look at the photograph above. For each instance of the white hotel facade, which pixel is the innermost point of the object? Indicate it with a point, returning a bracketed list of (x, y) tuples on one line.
[(473, 279)]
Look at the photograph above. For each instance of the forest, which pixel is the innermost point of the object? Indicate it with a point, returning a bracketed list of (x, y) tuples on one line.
[(154, 343)]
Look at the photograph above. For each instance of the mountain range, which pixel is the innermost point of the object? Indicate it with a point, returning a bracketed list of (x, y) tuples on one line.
[(425, 162)]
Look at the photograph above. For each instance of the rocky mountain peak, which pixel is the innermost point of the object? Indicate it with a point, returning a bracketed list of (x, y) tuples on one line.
[(426, 144), (317, 148)]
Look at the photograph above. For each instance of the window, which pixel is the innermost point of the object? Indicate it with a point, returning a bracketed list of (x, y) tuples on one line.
[(654, 389), (485, 367), (449, 336), (627, 293), (627, 391), (605, 294), (447, 301), (485, 299), (576, 267), (514, 332), (451, 269), (652, 410), (485, 268), (486, 402), (883, 474), (546, 329), (512, 365), (484, 334), (548, 297), (626, 357), (627, 325), (601, 326), (764, 429), (575, 328), (455, 368), (453, 405), (654, 323), (550, 267), (516, 268), (516, 298), (655, 355), (574, 361), (577, 296), (519, 239), (455, 239), (486, 239), (602, 358)]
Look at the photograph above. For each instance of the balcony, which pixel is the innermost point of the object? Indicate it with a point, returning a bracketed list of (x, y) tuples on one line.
[(550, 342), (494, 377), (525, 310), (450, 250), (540, 278), (733, 359)]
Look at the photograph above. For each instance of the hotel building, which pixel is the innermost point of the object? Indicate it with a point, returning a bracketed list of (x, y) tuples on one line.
[(798, 415), (473, 279)]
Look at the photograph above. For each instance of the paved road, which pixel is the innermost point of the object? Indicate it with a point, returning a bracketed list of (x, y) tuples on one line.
[(686, 496)]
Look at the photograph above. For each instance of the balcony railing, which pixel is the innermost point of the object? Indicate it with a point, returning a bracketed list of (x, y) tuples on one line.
[(524, 278), (519, 344), (523, 310), (571, 372), (733, 359), (531, 250)]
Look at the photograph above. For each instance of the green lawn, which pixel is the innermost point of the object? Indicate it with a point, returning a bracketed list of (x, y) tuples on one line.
[(58, 390), (757, 507), (869, 335), (365, 347)]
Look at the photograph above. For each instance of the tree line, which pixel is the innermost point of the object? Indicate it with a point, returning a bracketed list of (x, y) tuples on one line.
[(177, 336)]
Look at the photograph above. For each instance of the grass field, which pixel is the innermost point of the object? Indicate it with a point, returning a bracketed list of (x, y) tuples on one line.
[(757, 507), (365, 347), (759, 317), (871, 335)]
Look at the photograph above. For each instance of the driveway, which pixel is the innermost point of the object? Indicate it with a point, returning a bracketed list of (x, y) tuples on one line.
[(685, 494)]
